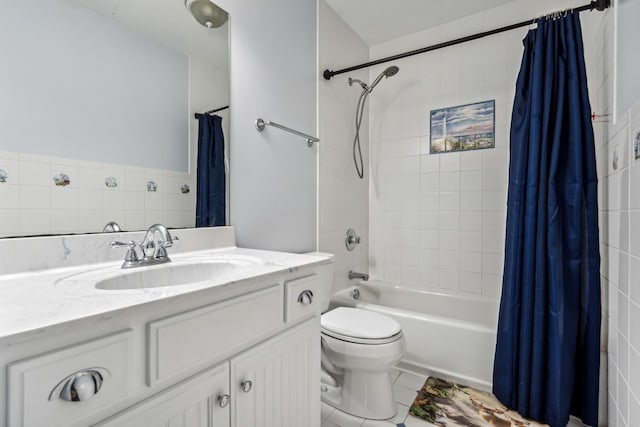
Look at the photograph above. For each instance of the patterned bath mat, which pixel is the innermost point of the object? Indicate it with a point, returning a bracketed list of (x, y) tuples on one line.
[(447, 404)]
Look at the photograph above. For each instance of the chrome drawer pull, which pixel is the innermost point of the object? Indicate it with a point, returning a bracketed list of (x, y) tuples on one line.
[(80, 386), (306, 297), (246, 386), (223, 400)]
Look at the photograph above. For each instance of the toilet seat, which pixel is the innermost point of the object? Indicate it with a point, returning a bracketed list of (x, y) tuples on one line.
[(360, 326)]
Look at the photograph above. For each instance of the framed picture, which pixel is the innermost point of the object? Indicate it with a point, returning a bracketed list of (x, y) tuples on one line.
[(464, 127)]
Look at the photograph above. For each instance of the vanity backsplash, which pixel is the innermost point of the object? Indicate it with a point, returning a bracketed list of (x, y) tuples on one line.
[(30, 254)]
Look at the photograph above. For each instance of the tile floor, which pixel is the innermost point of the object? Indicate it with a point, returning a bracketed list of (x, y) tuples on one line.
[(405, 389)]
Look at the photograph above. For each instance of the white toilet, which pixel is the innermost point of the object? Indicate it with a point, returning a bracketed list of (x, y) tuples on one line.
[(359, 348)]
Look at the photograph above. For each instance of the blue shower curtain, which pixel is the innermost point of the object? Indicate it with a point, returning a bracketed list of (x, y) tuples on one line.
[(547, 353), (210, 195)]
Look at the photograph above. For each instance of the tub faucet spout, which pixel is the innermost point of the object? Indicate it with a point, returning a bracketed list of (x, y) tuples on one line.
[(362, 276)]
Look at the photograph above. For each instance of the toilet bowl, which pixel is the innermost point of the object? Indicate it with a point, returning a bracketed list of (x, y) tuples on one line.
[(359, 348)]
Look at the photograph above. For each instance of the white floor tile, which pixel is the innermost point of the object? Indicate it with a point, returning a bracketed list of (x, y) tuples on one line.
[(575, 422), (394, 375), (328, 424), (325, 410), (412, 421), (377, 423), (404, 396), (342, 419), (401, 415), (412, 381)]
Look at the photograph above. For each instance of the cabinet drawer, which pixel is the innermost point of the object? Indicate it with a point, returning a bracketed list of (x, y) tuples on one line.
[(181, 344), (299, 305), (35, 384)]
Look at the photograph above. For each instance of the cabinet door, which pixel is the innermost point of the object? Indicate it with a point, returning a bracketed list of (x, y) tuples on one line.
[(192, 403), (285, 380)]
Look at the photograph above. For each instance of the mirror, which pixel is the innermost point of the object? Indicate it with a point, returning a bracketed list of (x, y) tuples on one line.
[(97, 116)]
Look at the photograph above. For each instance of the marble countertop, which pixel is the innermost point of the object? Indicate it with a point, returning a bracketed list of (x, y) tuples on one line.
[(31, 301)]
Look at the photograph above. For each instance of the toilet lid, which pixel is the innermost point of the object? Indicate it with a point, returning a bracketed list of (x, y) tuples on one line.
[(358, 323)]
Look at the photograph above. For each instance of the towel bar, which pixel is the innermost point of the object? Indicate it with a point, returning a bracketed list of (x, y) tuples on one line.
[(260, 125)]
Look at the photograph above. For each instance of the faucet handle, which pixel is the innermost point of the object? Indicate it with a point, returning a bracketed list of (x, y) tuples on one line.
[(130, 244), (131, 255)]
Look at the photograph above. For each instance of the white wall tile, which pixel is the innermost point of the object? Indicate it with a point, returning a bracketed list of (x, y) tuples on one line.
[(9, 196), (35, 222), (449, 162), (471, 180), (35, 174), (10, 224), (64, 221), (35, 198)]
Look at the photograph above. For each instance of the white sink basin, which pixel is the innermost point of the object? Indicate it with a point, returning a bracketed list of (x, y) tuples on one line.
[(177, 272)]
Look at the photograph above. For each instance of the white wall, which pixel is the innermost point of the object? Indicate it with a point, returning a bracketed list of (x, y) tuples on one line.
[(620, 228), (628, 59), (620, 213), (84, 86), (343, 197), (273, 76)]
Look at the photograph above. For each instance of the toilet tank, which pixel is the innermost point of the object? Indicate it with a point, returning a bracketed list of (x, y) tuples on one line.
[(325, 278)]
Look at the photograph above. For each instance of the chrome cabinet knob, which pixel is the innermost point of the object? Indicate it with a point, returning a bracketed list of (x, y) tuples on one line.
[(223, 400), (305, 297), (80, 386), (246, 386)]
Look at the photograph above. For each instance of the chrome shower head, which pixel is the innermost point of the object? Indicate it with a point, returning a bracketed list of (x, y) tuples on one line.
[(389, 72)]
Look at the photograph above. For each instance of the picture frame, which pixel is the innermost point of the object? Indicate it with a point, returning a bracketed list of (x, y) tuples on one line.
[(462, 128)]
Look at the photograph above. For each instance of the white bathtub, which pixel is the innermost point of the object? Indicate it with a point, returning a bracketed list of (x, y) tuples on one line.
[(450, 336)]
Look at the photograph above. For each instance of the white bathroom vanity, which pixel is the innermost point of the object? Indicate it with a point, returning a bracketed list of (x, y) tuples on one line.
[(229, 338)]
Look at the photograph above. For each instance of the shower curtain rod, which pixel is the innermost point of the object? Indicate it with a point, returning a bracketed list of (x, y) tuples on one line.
[(599, 5), (211, 111)]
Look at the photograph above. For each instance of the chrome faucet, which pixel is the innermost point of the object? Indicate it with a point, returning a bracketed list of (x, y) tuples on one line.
[(111, 227), (362, 276), (158, 246), (150, 251)]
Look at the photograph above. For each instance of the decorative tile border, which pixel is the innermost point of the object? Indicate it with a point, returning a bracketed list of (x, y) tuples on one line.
[(61, 180), (110, 182), (85, 195)]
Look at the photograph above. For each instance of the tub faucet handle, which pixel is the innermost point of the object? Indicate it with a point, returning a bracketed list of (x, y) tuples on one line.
[(352, 239)]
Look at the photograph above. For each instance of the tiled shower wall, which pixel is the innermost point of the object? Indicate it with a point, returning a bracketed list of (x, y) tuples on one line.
[(343, 197), (619, 203), (437, 220), (619, 189), (621, 267)]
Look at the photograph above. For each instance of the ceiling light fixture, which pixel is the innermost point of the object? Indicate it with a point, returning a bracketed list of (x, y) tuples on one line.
[(207, 13)]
